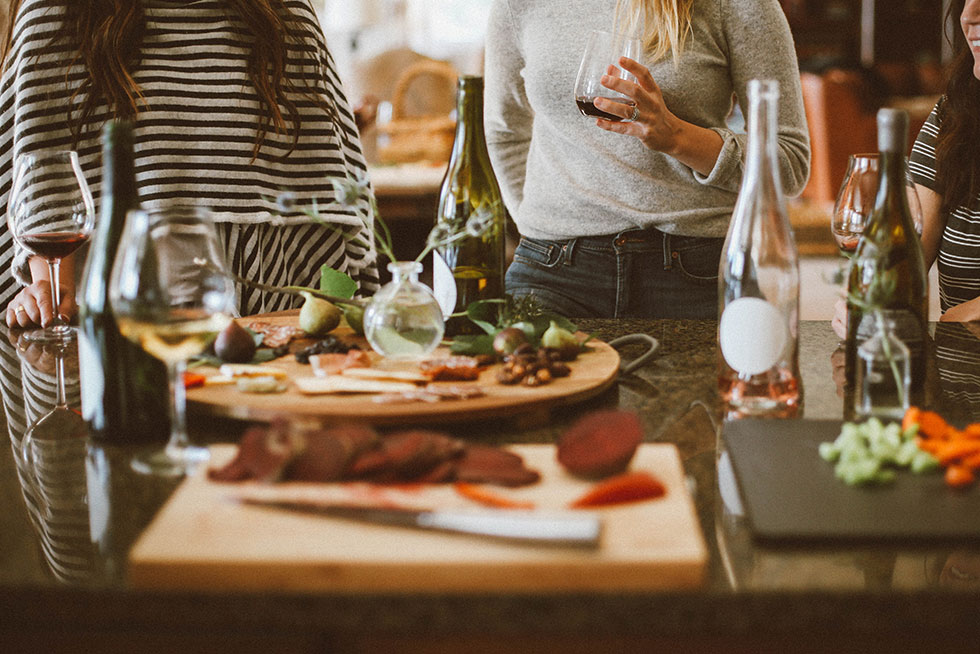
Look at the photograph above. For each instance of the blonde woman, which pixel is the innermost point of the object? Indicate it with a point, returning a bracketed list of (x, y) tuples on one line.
[(627, 218)]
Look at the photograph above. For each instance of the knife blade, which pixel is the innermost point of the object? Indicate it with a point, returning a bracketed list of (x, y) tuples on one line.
[(556, 528)]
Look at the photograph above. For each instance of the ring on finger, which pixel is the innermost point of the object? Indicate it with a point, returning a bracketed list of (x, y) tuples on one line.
[(20, 309), (635, 114)]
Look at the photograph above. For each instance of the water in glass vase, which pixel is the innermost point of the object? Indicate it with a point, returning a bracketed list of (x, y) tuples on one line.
[(404, 320)]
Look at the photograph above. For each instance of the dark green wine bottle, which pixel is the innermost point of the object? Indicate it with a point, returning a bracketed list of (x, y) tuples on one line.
[(124, 390), (887, 272), (471, 268)]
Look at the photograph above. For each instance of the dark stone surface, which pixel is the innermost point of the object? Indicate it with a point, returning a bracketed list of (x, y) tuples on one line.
[(62, 562)]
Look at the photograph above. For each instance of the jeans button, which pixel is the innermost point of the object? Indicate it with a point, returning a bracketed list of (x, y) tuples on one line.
[(620, 242)]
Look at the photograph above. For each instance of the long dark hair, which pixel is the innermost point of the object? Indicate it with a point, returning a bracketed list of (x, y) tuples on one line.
[(109, 34), (958, 144)]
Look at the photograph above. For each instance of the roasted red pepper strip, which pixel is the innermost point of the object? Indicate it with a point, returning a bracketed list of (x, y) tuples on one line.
[(627, 487), (193, 380), (488, 497)]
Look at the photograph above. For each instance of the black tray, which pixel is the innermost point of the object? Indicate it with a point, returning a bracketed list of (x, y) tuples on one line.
[(791, 494)]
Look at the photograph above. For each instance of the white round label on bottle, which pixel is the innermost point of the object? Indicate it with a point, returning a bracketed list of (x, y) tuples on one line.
[(752, 335), (443, 285)]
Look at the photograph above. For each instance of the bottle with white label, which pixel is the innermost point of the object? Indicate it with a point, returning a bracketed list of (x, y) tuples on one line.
[(470, 268), (758, 369)]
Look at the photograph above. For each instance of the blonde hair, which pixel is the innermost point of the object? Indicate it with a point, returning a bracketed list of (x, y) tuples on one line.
[(665, 24)]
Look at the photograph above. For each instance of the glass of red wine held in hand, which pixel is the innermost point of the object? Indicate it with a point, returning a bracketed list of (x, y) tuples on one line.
[(602, 51), (856, 199), (50, 213), (171, 294)]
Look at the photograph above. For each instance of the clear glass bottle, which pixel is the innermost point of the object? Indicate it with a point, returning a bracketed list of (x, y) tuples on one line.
[(471, 268), (887, 272), (883, 374), (403, 319), (758, 370)]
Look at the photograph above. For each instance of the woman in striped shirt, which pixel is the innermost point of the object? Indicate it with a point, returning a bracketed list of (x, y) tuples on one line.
[(945, 166), (233, 102)]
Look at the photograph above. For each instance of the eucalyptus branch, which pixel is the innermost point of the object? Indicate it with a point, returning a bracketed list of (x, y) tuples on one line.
[(297, 291)]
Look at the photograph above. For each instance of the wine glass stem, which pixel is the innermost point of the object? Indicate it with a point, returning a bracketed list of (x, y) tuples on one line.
[(178, 403), (54, 274), (59, 371)]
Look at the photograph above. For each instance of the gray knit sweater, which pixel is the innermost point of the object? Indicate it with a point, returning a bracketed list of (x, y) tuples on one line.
[(562, 177)]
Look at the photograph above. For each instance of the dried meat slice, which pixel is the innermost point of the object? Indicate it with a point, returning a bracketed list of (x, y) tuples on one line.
[(455, 368), (274, 335)]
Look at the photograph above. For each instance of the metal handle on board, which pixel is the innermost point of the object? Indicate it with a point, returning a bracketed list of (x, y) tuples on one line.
[(652, 344)]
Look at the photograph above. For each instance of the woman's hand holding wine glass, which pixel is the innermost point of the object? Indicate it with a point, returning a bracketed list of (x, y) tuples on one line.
[(171, 293), (50, 214)]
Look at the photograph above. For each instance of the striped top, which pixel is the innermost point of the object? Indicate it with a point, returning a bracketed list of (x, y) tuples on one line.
[(959, 249), (197, 126)]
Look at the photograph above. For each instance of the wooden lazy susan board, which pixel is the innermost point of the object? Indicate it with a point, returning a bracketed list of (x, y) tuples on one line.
[(592, 373)]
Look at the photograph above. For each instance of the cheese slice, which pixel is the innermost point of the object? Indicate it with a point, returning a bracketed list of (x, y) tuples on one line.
[(345, 384), (236, 370), (389, 375)]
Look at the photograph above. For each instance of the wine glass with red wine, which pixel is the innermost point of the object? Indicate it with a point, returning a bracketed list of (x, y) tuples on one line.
[(856, 199), (602, 50), (50, 213)]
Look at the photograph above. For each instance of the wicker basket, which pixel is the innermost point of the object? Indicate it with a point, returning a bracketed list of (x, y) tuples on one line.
[(417, 138)]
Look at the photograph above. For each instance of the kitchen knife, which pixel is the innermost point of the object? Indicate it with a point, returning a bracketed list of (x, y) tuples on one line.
[(570, 529)]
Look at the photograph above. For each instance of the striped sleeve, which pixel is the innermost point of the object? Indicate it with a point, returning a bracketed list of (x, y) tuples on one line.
[(198, 123), (922, 160)]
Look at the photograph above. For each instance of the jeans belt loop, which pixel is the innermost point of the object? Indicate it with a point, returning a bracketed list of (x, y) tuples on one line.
[(668, 264)]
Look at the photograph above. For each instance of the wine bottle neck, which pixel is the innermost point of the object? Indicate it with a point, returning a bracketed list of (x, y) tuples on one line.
[(470, 136), (118, 170), (760, 160)]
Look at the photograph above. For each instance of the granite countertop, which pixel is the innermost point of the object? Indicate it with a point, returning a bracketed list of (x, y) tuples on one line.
[(62, 566)]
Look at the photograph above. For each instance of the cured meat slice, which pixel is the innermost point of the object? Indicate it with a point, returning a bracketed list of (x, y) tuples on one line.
[(327, 453), (275, 335), (482, 464), (456, 368), (263, 455)]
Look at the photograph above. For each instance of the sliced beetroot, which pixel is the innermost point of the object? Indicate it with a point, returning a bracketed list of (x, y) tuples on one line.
[(600, 444)]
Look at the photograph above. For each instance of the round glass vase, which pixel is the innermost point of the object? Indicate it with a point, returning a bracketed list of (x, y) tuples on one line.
[(403, 319), (883, 374)]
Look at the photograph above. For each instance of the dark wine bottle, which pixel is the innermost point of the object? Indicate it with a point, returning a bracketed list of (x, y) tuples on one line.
[(472, 267), (124, 390), (887, 272)]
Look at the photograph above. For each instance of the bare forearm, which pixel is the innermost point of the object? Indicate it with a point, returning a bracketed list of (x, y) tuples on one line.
[(695, 147)]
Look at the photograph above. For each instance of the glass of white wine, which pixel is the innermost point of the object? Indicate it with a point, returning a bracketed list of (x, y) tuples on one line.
[(171, 295)]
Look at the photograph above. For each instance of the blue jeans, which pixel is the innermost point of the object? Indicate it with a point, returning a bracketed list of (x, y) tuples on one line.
[(634, 274)]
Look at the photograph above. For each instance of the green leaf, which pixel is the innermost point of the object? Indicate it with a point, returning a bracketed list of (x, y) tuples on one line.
[(484, 314), (472, 344), (333, 282)]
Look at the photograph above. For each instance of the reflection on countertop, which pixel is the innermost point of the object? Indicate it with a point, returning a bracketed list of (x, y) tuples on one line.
[(83, 540)]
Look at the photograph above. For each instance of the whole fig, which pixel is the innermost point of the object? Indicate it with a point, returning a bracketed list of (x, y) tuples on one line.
[(234, 344), (355, 317), (562, 340), (507, 340), (317, 317)]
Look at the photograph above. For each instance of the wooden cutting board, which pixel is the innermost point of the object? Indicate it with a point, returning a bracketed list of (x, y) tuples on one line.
[(592, 373), (204, 539)]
